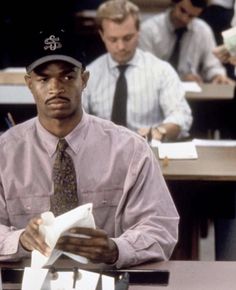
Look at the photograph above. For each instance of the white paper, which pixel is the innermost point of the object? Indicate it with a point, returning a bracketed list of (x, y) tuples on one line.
[(87, 280), (176, 150), (108, 283), (64, 281), (214, 143), (191, 87), (33, 278), (229, 38), (54, 227), (14, 70)]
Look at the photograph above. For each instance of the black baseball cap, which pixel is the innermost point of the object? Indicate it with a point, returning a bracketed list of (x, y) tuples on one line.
[(56, 44)]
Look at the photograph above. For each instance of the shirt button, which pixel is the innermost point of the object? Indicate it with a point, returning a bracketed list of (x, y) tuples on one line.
[(104, 201)]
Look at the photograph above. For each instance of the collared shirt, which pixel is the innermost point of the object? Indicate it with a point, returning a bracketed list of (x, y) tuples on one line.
[(223, 3), (155, 93), (157, 36), (116, 171)]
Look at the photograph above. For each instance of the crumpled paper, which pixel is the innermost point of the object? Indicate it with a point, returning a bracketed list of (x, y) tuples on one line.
[(54, 227)]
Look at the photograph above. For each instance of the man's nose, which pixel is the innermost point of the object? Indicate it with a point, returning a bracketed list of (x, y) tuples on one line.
[(120, 44), (56, 87)]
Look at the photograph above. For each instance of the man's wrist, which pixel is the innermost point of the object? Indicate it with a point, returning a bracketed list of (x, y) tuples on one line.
[(162, 131)]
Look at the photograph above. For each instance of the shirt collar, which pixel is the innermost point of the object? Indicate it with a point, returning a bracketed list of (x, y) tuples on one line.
[(135, 61), (170, 25), (75, 138)]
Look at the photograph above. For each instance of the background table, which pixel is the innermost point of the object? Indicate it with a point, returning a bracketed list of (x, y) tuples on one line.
[(202, 188)]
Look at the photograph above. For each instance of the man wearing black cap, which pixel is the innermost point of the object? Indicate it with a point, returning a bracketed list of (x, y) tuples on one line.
[(64, 158)]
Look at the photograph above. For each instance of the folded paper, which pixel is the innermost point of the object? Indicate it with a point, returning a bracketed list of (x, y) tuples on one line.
[(53, 228)]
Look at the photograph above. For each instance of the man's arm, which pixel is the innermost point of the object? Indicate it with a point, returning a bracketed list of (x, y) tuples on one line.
[(146, 218)]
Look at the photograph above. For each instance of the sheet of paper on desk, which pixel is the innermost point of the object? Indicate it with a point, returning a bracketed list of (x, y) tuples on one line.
[(14, 70), (54, 227), (191, 87), (176, 150), (229, 38), (214, 143)]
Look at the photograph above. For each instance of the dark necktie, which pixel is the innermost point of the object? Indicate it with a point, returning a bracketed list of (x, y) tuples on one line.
[(119, 107), (174, 58), (65, 185)]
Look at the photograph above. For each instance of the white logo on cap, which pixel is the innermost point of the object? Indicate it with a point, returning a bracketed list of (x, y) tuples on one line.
[(52, 42)]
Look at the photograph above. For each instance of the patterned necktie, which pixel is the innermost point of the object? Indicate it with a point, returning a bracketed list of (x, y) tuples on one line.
[(119, 109), (65, 185), (174, 58)]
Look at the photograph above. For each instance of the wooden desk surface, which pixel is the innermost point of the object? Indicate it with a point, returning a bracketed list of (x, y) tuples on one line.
[(212, 92), (12, 78), (209, 91), (186, 275), (213, 164)]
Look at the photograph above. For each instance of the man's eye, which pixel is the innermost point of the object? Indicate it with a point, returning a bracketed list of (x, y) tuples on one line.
[(42, 80), (68, 78), (113, 40), (128, 37)]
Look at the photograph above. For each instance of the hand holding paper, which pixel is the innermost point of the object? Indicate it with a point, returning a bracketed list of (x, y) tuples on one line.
[(52, 228)]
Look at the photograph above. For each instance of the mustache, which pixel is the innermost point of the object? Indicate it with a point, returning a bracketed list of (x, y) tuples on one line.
[(57, 97)]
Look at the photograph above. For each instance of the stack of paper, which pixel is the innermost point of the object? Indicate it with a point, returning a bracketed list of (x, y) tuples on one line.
[(214, 143), (191, 87), (176, 150)]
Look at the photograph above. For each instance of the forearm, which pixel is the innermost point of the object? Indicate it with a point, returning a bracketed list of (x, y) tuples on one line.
[(145, 243), (10, 248)]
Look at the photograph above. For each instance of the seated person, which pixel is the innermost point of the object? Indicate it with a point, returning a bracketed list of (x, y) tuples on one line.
[(195, 60), (155, 103), (64, 158)]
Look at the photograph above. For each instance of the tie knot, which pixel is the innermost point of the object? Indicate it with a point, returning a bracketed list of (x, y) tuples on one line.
[(62, 145), (180, 31), (122, 68)]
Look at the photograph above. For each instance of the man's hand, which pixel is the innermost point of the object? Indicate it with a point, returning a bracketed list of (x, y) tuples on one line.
[(31, 239), (192, 78), (221, 79), (222, 53), (96, 246)]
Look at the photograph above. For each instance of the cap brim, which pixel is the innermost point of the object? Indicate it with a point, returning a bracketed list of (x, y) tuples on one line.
[(48, 58)]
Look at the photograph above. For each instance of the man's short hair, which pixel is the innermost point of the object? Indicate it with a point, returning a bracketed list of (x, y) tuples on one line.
[(196, 3), (117, 11)]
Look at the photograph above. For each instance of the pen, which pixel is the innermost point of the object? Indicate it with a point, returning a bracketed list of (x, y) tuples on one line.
[(149, 135), (9, 125), (9, 115)]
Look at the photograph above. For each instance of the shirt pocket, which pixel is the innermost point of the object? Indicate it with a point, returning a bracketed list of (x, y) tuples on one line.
[(22, 209), (105, 205)]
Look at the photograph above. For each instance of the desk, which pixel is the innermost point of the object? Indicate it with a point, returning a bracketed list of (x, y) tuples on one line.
[(12, 78), (212, 92), (196, 187), (213, 164), (184, 275), (213, 109)]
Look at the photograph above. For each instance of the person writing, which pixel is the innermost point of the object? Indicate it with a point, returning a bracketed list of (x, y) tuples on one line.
[(65, 157), (180, 37), (131, 87)]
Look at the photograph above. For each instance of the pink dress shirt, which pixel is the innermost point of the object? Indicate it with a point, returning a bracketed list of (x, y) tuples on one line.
[(116, 171)]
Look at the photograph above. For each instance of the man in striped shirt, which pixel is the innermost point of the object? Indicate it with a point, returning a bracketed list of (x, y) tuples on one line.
[(156, 104)]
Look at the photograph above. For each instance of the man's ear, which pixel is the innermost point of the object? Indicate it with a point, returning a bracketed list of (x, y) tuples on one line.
[(28, 81), (101, 34), (85, 77)]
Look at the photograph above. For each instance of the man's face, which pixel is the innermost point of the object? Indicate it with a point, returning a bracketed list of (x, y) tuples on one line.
[(121, 39), (183, 13), (57, 88)]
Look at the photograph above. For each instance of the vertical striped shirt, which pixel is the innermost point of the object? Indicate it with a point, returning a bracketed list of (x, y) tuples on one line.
[(158, 37), (155, 92)]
